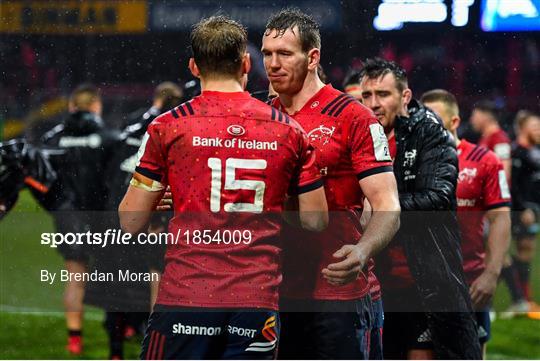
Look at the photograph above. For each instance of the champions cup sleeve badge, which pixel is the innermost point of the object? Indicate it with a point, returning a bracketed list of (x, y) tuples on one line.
[(321, 135)]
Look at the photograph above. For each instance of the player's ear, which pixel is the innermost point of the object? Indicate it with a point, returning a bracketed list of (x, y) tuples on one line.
[(314, 58), (246, 63), (72, 108), (407, 96), (194, 68), (96, 107), (456, 121)]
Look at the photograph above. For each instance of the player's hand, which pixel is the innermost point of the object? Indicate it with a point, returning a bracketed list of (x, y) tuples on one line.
[(348, 269), (482, 289), (166, 204)]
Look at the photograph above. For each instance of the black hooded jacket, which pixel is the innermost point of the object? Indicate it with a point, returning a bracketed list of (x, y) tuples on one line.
[(87, 146), (426, 170)]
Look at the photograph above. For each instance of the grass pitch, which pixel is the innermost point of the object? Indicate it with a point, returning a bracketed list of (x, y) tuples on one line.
[(32, 324)]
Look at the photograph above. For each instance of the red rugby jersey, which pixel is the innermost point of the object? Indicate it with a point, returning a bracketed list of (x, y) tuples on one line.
[(481, 186), (229, 160), (350, 144), (499, 143)]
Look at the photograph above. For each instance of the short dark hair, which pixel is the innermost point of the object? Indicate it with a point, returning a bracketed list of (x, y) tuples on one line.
[(488, 106), (522, 117), (443, 96), (308, 29), (352, 77), (218, 44), (84, 95), (169, 93), (375, 68)]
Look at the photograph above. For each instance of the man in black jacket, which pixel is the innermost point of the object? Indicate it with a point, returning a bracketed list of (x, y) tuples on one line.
[(79, 195), (428, 310)]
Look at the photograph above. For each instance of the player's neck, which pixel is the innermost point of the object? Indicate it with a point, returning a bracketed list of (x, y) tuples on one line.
[(523, 140), (490, 129), (295, 102), (456, 138), (221, 85)]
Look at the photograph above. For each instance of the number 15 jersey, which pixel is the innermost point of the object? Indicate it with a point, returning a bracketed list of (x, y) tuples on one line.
[(230, 161)]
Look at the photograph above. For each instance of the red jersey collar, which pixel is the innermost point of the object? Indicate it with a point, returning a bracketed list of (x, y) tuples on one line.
[(463, 145), (225, 95), (324, 91)]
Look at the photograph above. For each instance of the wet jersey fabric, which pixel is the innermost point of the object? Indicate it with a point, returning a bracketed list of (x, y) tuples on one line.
[(481, 186), (350, 144), (230, 161), (499, 143)]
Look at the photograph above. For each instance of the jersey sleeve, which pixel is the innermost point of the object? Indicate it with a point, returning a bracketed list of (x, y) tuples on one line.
[(495, 191), (368, 145), (501, 146), (150, 171), (308, 176)]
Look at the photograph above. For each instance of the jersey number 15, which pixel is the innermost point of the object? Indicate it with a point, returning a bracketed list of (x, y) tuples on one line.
[(231, 183)]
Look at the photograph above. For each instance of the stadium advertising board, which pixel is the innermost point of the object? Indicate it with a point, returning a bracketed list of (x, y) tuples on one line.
[(180, 16), (393, 14), (73, 17), (516, 15), (495, 15)]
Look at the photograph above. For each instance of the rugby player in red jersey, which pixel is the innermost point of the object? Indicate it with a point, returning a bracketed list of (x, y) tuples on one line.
[(485, 120), (482, 191), (325, 285), (229, 160), (351, 86)]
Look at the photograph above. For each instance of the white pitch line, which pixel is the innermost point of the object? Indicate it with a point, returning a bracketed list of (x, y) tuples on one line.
[(43, 313)]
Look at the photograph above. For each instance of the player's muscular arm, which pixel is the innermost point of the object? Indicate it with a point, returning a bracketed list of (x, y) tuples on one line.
[(381, 192), (366, 215), (483, 288), (136, 208), (313, 210)]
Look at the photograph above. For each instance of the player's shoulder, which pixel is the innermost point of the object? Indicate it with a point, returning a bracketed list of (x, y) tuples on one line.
[(280, 116), (480, 154), (338, 104), (180, 112), (500, 137), (497, 138)]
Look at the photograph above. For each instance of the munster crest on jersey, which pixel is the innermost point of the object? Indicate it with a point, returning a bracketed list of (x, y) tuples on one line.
[(321, 135), (467, 175)]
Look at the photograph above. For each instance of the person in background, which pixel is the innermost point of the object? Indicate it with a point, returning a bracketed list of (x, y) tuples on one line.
[(485, 118), (79, 191), (482, 193), (526, 208)]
